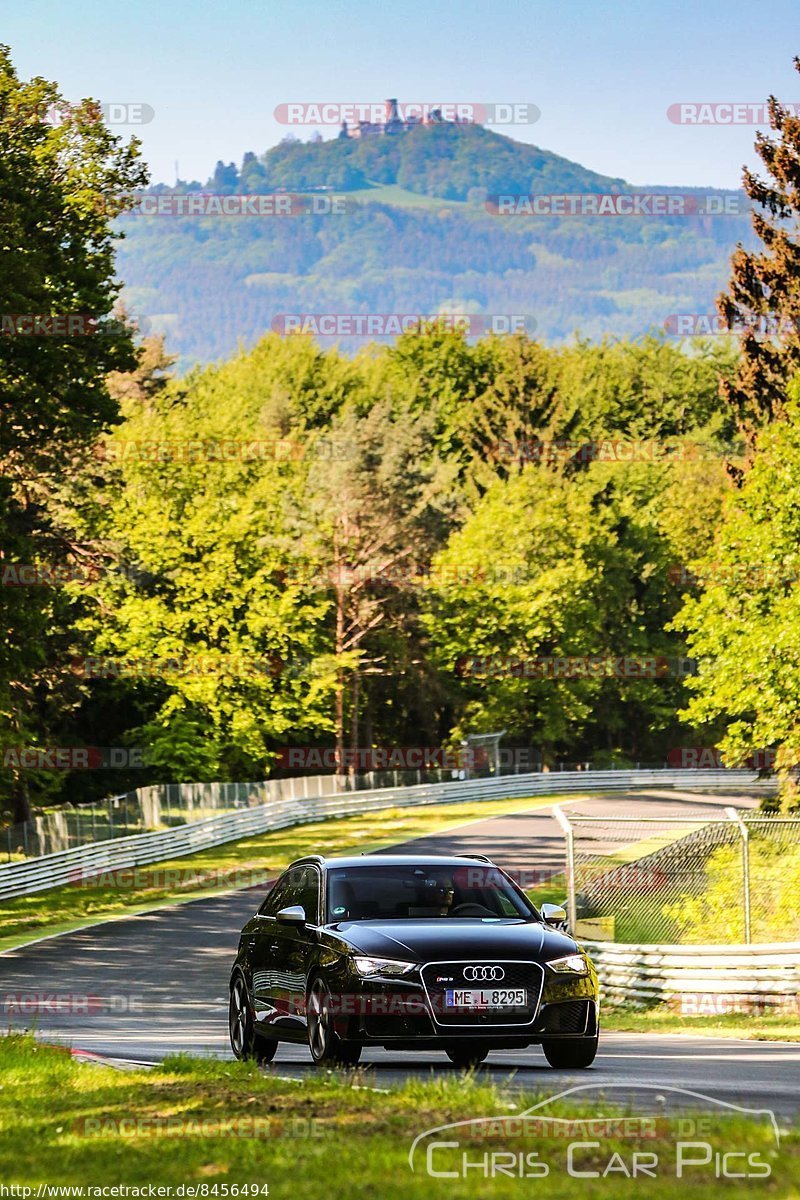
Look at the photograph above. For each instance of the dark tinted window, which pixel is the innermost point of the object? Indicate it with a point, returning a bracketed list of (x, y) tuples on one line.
[(399, 892), (309, 894), (299, 885), (274, 900)]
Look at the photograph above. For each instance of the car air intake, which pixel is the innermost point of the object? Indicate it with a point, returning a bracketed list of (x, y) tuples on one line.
[(569, 1017)]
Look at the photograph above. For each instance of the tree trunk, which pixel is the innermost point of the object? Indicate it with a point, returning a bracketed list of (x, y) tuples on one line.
[(367, 714), (339, 710), (354, 722), (20, 800)]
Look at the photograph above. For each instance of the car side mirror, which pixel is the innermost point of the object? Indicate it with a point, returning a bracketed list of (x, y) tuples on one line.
[(294, 915), (553, 914)]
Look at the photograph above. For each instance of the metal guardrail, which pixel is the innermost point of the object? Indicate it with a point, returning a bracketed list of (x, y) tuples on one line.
[(123, 853), (157, 806), (703, 979)]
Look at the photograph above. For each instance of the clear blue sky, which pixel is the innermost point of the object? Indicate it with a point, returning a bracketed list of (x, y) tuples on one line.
[(603, 72)]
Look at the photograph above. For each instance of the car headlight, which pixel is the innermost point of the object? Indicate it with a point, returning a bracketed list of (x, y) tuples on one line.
[(382, 966), (573, 964)]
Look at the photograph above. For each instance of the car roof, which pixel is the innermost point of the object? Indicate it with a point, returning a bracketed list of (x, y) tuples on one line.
[(405, 860)]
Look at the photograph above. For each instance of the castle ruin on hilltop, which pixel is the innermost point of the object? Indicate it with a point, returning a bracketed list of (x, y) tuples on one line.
[(394, 123)]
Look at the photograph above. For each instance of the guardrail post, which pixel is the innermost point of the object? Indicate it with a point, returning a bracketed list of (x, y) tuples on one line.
[(569, 839), (744, 833)]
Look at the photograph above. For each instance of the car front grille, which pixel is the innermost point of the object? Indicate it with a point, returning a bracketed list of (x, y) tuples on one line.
[(438, 977)]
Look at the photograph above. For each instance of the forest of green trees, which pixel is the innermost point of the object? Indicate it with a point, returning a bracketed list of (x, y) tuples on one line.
[(593, 547)]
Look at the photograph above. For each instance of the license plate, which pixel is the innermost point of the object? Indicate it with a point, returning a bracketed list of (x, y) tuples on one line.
[(485, 998)]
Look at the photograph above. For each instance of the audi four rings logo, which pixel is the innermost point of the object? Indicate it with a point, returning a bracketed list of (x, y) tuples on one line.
[(484, 974)]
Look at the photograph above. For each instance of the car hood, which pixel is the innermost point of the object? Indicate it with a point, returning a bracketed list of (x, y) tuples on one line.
[(432, 939)]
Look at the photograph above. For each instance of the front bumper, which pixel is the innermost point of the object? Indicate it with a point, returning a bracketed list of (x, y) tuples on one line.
[(408, 1012)]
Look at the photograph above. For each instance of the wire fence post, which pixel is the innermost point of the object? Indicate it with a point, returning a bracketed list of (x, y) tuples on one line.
[(744, 833), (569, 839)]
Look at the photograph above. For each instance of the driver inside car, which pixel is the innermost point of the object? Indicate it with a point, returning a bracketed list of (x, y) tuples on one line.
[(445, 896)]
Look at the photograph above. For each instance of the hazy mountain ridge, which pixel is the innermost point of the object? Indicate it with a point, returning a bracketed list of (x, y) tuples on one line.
[(210, 282)]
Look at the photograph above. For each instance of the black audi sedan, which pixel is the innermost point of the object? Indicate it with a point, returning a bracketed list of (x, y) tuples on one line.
[(410, 952)]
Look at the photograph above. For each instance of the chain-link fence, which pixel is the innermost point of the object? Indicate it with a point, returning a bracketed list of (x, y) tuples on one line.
[(729, 879), (163, 806), (132, 812)]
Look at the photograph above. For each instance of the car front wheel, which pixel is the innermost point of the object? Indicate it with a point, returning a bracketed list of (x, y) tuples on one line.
[(570, 1053), (327, 1048), (245, 1042)]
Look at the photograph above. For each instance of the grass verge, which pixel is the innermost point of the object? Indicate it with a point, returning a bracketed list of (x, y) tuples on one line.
[(248, 862), (223, 1126), (764, 1027)]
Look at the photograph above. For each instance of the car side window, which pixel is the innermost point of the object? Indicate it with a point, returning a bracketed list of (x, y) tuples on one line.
[(300, 885), (274, 901), (310, 895)]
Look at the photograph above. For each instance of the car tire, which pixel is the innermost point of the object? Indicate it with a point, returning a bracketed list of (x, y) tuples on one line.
[(327, 1048), (570, 1053), (245, 1042), (466, 1056)]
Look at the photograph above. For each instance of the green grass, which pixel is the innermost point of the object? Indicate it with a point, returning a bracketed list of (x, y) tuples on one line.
[(400, 197), (224, 1124), (764, 1027), (235, 864)]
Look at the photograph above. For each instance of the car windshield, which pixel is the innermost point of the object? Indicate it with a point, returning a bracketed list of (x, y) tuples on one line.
[(398, 892)]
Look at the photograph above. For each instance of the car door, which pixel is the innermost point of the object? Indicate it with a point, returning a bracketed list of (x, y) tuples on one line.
[(262, 949), (281, 952), (296, 945)]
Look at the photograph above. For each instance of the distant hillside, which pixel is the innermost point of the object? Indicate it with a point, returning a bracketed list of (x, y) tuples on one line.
[(451, 162), (417, 239)]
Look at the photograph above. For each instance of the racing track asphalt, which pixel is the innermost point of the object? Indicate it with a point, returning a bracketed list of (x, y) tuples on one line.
[(138, 988)]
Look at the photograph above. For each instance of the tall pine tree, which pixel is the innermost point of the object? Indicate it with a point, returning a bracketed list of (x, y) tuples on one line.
[(763, 297)]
